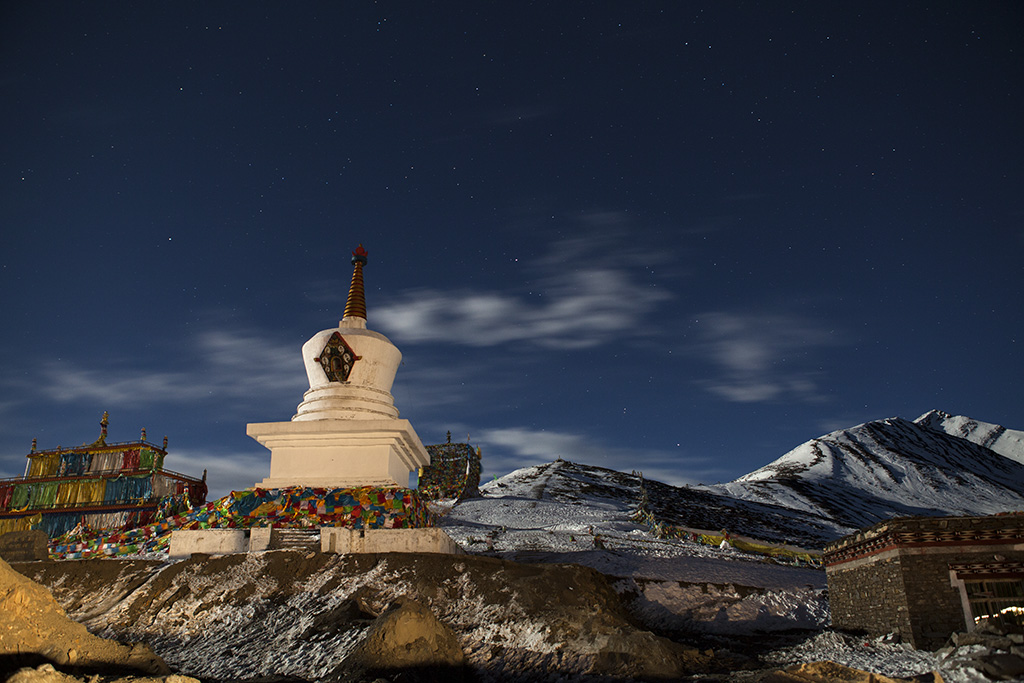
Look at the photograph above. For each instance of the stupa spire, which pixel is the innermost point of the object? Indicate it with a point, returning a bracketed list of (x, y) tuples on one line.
[(355, 307)]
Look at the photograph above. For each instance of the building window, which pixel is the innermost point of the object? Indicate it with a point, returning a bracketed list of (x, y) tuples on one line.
[(996, 598)]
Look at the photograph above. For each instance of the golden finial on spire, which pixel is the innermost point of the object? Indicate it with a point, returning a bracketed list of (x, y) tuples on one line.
[(102, 441), (355, 307)]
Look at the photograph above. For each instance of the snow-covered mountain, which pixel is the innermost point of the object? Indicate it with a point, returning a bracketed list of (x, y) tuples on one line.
[(823, 489), (936, 465), (567, 498), (1008, 442)]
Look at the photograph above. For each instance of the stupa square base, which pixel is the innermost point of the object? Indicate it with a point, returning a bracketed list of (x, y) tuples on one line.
[(340, 453)]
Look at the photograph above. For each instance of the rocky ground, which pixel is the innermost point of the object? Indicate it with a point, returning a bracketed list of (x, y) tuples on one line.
[(297, 614), (561, 583), (35, 630)]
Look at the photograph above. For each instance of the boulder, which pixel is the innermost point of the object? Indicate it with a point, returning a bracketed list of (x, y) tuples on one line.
[(35, 630), (1003, 666), (643, 655), (826, 672), (45, 673), (407, 637)]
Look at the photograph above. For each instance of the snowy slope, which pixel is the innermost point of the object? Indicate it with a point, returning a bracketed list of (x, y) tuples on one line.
[(894, 467), (1005, 442), (558, 507), (553, 513)]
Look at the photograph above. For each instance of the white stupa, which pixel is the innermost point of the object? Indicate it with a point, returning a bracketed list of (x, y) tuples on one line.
[(346, 432)]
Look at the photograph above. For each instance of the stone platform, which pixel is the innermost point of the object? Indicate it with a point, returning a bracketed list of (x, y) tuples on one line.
[(341, 541), (336, 540)]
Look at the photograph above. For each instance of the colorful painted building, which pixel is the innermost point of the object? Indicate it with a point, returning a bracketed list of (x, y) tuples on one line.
[(103, 485), (453, 472)]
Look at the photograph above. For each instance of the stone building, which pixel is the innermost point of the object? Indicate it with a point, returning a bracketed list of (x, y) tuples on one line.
[(104, 485), (925, 578)]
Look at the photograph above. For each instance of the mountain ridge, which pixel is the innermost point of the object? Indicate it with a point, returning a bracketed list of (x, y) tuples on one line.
[(825, 488), (1006, 442), (935, 465)]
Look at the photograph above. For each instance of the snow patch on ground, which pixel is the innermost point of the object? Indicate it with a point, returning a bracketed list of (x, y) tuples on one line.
[(880, 656), (598, 532), (492, 625), (297, 642), (679, 584)]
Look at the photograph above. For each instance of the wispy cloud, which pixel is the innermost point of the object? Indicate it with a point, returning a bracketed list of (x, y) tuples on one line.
[(220, 365), (761, 357), (578, 300)]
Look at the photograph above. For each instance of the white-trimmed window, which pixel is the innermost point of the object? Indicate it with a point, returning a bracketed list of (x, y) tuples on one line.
[(1002, 598)]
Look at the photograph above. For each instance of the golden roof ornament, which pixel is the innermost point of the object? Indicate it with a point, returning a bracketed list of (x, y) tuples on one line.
[(102, 441)]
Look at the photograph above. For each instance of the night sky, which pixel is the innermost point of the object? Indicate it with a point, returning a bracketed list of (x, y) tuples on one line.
[(651, 236)]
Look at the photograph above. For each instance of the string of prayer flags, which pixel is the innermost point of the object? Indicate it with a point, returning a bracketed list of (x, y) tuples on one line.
[(298, 507)]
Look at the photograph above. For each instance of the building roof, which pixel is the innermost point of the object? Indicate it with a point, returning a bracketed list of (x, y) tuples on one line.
[(918, 532)]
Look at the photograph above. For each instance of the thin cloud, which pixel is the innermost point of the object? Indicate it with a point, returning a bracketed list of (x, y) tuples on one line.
[(761, 357), (227, 365), (577, 302)]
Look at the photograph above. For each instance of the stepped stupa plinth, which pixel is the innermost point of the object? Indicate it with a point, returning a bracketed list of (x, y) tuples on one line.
[(346, 432)]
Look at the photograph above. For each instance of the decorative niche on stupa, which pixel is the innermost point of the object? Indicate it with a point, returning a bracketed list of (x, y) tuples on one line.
[(337, 359)]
